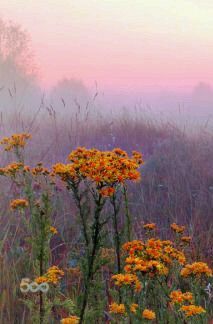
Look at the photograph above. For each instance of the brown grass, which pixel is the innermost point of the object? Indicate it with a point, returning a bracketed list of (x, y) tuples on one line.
[(177, 182)]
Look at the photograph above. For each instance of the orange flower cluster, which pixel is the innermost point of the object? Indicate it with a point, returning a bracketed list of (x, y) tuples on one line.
[(11, 169), (39, 170), (186, 239), (120, 309), (192, 310), (15, 168), (15, 141), (19, 204), (65, 171), (104, 168), (107, 191), (177, 228), (153, 256), (53, 275), (133, 246), (197, 269), (127, 279), (53, 230), (70, 320), (150, 226), (117, 308), (177, 297), (148, 314), (133, 308)]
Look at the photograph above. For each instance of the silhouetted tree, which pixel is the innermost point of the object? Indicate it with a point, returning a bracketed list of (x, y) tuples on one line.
[(18, 73), (70, 93)]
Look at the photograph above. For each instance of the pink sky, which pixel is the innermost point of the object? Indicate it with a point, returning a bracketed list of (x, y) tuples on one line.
[(121, 44)]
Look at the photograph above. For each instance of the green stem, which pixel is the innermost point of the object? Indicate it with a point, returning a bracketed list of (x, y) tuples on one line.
[(117, 238), (117, 234), (41, 265), (81, 212), (91, 258), (128, 218)]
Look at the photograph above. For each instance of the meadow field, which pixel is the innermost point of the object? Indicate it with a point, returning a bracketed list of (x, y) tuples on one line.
[(106, 162), (105, 220)]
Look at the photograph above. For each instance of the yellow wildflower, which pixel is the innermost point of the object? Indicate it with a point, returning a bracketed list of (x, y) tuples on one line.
[(117, 308), (133, 308), (15, 141), (178, 297), (177, 228), (196, 269), (53, 275), (19, 204), (192, 310), (53, 230), (148, 314), (41, 279), (186, 239), (107, 192), (70, 320), (150, 226)]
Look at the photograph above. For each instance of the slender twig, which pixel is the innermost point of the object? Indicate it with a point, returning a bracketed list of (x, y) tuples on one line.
[(128, 218)]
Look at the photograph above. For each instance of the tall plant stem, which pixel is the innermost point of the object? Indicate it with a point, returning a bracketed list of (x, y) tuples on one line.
[(128, 217), (116, 234), (96, 227), (117, 238), (81, 213), (41, 268)]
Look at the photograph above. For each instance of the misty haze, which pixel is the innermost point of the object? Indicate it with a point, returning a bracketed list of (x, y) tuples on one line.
[(106, 173)]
